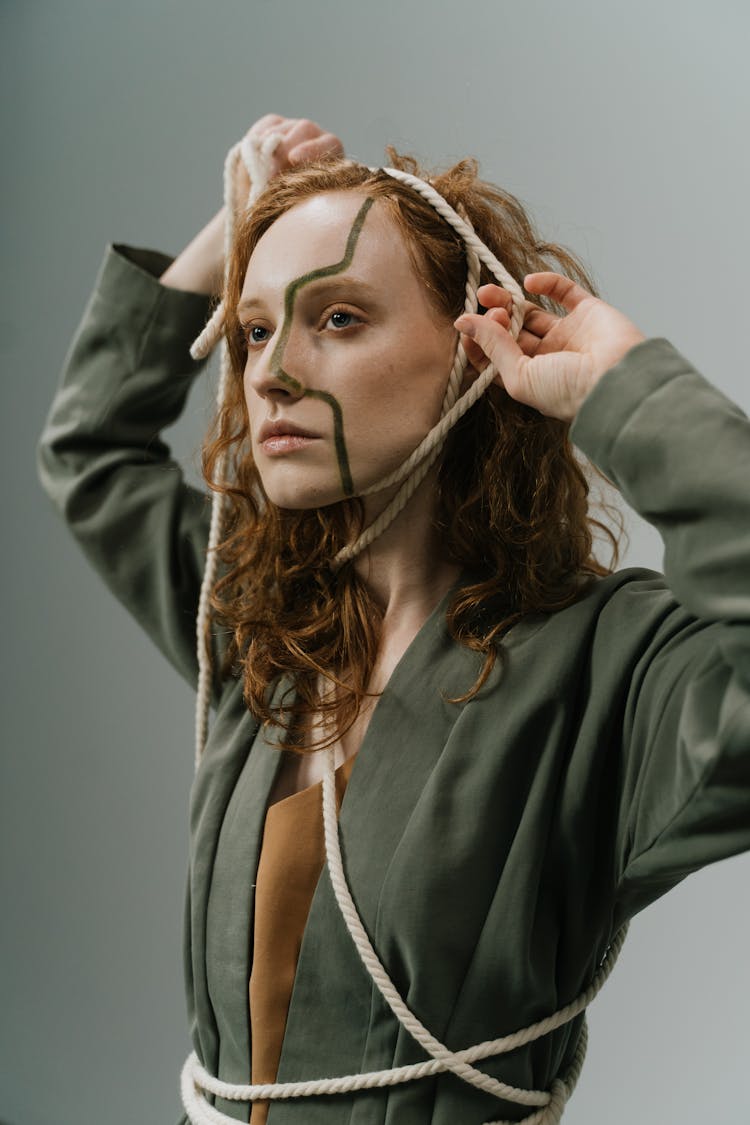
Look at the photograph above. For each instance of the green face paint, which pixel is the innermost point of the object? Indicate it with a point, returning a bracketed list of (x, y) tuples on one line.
[(283, 376)]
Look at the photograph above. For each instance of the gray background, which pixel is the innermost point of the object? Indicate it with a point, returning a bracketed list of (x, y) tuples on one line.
[(624, 128)]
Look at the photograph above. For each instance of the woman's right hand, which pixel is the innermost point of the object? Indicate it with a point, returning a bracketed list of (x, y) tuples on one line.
[(200, 266)]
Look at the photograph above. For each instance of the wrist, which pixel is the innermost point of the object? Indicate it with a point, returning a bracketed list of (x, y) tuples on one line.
[(200, 266)]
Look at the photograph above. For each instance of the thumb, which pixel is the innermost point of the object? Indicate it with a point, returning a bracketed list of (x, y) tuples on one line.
[(495, 341)]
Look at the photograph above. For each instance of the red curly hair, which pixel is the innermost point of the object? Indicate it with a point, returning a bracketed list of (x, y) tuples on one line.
[(512, 507)]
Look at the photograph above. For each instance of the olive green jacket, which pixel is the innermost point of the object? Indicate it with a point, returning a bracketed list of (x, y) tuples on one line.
[(492, 848)]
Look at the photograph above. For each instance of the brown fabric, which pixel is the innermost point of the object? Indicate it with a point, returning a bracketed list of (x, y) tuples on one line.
[(291, 860)]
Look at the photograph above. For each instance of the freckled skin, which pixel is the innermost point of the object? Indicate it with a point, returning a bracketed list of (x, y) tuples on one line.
[(290, 296), (386, 371)]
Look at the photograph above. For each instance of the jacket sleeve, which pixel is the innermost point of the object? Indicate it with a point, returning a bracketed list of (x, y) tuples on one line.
[(101, 458), (679, 451)]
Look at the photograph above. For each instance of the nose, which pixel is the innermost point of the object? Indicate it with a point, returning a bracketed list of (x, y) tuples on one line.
[(279, 371)]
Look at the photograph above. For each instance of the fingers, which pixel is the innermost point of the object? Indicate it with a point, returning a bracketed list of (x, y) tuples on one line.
[(474, 354), (265, 124), (494, 296), (558, 288), (492, 336), (293, 133), (301, 140), (537, 322), (529, 342), (315, 149), (475, 357)]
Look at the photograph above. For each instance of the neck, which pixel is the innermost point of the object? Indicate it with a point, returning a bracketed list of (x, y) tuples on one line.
[(404, 567)]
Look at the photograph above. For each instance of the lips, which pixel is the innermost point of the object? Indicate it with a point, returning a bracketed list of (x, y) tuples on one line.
[(282, 428)]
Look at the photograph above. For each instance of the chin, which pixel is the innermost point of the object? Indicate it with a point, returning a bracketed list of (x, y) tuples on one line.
[(304, 498)]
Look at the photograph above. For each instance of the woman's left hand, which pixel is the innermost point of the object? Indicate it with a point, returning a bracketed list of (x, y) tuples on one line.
[(300, 140), (556, 361)]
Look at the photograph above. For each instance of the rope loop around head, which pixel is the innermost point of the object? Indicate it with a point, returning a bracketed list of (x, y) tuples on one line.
[(257, 154), (460, 362), (463, 227), (415, 468), (195, 1079)]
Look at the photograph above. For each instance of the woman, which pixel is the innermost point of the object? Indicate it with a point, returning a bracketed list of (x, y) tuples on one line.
[(530, 748)]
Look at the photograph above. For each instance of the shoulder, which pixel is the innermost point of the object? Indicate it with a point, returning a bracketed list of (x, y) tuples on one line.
[(594, 651), (624, 605)]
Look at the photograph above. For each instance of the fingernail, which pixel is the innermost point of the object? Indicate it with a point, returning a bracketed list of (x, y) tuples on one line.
[(463, 324)]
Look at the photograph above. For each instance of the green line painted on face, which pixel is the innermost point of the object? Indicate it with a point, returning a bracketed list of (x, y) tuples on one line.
[(283, 376)]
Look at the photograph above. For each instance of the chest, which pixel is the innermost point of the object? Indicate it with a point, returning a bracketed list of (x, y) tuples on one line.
[(300, 770), (471, 837)]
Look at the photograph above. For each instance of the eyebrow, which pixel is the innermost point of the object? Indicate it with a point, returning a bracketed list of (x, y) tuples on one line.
[(319, 287)]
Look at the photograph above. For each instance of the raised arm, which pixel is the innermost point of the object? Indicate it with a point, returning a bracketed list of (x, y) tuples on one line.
[(200, 266), (679, 451), (102, 460), (127, 375)]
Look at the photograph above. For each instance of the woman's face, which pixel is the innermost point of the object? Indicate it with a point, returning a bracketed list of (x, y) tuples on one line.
[(347, 359)]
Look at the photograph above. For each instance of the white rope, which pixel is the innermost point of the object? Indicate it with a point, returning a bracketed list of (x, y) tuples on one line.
[(463, 227), (257, 156), (415, 468), (195, 1078), (419, 463)]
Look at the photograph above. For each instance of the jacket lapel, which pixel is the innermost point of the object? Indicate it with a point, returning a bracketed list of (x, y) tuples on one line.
[(233, 784), (404, 740)]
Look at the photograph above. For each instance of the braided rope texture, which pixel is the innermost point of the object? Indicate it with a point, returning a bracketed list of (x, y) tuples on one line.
[(552, 1103), (257, 157), (442, 1059), (429, 448)]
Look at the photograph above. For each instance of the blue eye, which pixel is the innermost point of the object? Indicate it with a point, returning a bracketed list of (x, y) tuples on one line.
[(257, 334), (341, 319)]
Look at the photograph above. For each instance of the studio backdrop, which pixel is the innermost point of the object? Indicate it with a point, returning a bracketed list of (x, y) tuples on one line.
[(624, 130)]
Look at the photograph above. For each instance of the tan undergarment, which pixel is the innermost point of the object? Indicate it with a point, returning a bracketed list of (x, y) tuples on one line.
[(291, 859)]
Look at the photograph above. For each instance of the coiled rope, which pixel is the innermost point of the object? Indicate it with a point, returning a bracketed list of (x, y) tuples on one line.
[(256, 155)]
